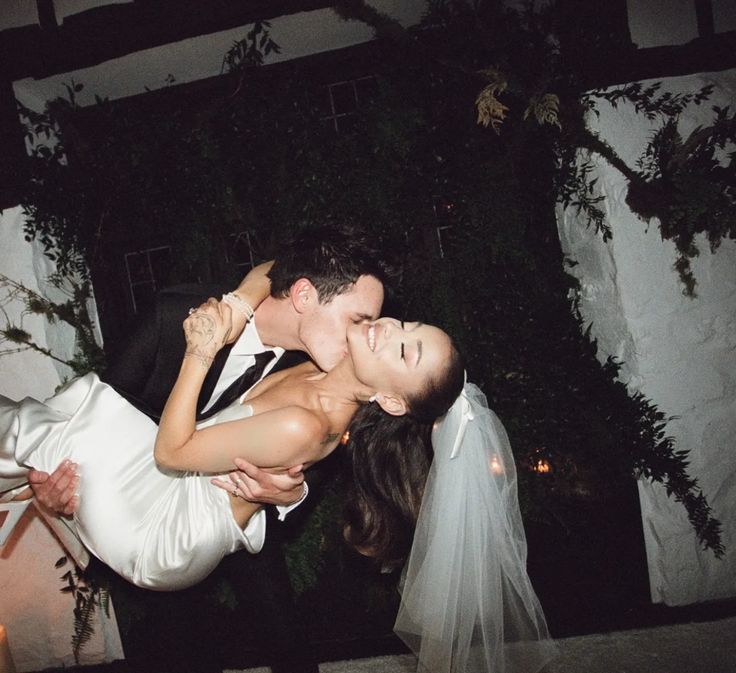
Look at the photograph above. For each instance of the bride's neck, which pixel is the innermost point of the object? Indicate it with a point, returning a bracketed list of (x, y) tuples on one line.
[(341, 384)]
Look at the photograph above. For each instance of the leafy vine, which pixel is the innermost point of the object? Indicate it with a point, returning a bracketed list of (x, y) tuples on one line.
[(88, 597)]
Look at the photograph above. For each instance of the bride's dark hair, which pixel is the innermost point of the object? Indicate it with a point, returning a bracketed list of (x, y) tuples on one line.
[(388, 458)]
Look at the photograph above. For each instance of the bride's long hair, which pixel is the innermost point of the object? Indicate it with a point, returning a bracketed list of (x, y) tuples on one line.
[(388, 458)]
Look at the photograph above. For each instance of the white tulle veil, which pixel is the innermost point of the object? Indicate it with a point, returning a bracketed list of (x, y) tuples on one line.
[(467, 603)]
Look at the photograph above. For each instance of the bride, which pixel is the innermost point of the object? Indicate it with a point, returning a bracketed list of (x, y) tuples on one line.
[(153, 515)]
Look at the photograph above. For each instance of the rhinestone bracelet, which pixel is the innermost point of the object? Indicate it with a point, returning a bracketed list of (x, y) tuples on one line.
[(239, 305)]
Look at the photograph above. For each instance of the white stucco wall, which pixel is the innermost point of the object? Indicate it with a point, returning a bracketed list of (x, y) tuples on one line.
[(680, 352), (656, 23), (201, 57), (38, 618)]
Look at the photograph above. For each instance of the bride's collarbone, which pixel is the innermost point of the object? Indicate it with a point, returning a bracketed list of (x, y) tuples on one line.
[(290, 387)]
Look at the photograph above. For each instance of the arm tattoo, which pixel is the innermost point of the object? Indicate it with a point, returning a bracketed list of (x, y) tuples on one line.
[(203, 359), (199, 331), (331, 437)]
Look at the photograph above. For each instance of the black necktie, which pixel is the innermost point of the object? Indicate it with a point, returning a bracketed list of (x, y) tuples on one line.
[(249, 377)]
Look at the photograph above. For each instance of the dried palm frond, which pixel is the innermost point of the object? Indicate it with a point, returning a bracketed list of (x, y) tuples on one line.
[(491, 111)]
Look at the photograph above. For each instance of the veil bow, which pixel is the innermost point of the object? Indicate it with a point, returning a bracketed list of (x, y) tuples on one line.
[(467, 603)]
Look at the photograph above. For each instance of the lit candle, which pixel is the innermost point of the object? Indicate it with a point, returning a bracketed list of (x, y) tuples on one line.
[(6, 659)]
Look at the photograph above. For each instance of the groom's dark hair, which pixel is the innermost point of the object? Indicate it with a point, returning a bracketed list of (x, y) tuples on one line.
[(332, 258)]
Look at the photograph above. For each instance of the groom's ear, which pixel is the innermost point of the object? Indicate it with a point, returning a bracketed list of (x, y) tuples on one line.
[(302, 294)]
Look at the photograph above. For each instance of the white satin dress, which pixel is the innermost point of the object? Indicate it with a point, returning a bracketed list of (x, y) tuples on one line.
[(158, 529)]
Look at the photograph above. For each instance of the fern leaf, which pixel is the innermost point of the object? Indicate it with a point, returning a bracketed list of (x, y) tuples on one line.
[(546, 109)]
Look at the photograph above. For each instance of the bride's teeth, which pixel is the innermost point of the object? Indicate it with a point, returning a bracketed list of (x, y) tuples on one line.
[(372, 338)]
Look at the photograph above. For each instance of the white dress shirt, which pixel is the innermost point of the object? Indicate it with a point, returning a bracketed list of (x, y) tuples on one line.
[(242, 355)]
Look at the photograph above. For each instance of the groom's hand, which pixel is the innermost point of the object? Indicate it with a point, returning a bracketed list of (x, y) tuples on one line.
[(256, 485), (57, 491)]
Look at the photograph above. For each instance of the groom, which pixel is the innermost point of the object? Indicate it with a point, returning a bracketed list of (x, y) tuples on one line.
[(322, 282)]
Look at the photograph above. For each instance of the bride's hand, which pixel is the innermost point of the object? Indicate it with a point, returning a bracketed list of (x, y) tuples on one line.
[(253, 289), (207, 330)]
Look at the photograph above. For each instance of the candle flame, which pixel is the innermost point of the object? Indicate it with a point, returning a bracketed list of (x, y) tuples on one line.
[(543, 467), (496, 465)]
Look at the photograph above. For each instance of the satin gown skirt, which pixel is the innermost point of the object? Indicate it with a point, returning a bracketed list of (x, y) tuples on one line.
[(158, 529)]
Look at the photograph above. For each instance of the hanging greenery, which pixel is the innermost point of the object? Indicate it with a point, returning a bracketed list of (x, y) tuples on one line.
[(88, 355), (88, 597), (687, 184)]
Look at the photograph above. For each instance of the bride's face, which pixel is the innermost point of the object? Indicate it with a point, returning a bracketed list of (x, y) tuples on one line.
[(395, 357)]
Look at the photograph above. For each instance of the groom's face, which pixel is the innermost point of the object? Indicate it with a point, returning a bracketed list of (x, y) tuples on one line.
[(324, 330)]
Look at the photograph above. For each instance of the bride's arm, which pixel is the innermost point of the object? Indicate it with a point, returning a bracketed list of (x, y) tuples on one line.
[(274, 439)]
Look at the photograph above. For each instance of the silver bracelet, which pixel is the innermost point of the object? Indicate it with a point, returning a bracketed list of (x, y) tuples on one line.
[(283, 510), (302, 497), (239, 304)]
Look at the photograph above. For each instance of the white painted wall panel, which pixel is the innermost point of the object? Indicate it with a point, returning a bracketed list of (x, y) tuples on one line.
[(680, 352), (656, 23), (724, 15), (17, 13)]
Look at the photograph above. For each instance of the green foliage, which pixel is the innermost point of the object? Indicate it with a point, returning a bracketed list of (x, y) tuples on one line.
[(578, 190), (88, 356), (88, 597)]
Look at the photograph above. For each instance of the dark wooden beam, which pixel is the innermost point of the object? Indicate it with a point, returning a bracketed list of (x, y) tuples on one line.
[(704, 14), (111, 31), (13, 158), (46, 14), (714, 53)]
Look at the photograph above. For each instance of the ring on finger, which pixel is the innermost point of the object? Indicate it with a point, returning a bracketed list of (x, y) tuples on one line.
[(235, 492)]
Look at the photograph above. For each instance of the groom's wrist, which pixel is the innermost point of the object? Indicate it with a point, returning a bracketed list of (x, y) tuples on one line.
[(285, 509)]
